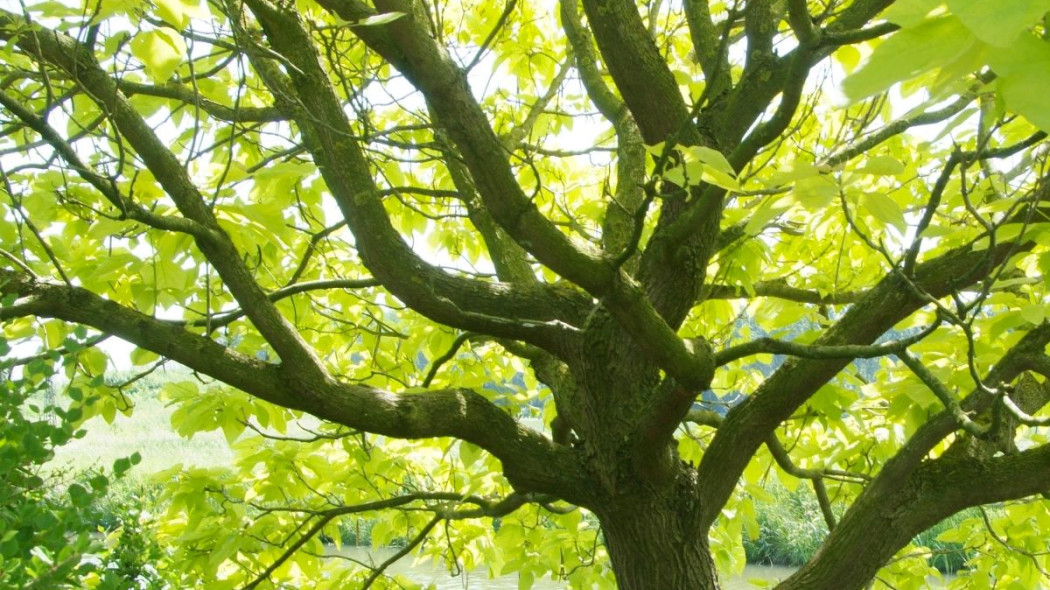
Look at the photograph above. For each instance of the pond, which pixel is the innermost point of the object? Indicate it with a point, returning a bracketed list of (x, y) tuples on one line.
[(428, 573)]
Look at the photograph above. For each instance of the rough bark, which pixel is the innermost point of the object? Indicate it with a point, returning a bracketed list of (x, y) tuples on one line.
[(657, 542)]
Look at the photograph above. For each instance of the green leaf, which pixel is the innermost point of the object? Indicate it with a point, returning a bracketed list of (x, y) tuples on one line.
[(908, 53), (716, 170), (141, 356), (1022, 69), (469, 453), (43, 555), (689, 174), (121, 466), (160, 50), (769, 210), (179, 12), (79, 495), (380, 19), (849, 56), (999, 23), (908, 13), (884, 209), (883, 166), (525, 580), (712, 158), (1034, 314)]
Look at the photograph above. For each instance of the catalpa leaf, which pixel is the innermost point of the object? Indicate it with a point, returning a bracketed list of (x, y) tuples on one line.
[(999, 23), (908, 13), (883, 166), (908, 53), (883, 209), (160, 50), (717, 170), (179, 12), (1021, 70), (379, 19)]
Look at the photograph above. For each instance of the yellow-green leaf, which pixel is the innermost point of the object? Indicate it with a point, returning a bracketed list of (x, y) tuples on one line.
[(160, 50), (908, 53)]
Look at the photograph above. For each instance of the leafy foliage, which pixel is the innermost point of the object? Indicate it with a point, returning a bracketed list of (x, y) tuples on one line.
[(49, 533), (554, 290)]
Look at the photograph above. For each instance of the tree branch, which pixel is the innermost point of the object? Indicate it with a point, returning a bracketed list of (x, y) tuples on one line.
[(533, 312), (106, 186), (640, 72), (217, 110), (226, 318), (532, 461), (749, 424), (810, 351), (432, 71), (779, 289), (939, 488), (624, 206), (75, 61), (802, 23), (896, 128), (942, 393), (714, 60)]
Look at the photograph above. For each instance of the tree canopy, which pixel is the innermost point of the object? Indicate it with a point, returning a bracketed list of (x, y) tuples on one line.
[(554, 287)]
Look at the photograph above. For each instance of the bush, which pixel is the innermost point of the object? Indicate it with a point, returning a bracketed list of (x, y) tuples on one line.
[(49, 533), (44, 537)]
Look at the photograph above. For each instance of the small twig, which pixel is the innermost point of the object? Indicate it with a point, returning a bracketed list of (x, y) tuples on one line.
[(817, 351), (19, 263), (401, 552), (941, 391), (444, 358), (927, 214), (500, 23)]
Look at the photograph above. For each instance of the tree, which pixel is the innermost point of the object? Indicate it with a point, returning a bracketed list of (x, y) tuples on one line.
[(383, 216)]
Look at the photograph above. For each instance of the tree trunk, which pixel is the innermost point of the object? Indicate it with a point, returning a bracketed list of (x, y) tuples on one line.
[(658, 543)]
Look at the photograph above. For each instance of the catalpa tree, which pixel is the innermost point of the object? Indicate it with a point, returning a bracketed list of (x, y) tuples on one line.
[(658, 226)]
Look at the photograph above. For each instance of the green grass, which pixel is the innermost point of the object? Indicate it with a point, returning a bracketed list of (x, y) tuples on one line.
[(792, 529), (147, 431)]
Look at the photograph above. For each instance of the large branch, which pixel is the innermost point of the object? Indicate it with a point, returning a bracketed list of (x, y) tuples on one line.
[(978, 403), (710, 50), (889, 302), (641, 74), (879, 525), (905, 489), (77, 62), (410, 47), (532, 312), (764, 77), (531, 460), (622, 215), (510, 260)]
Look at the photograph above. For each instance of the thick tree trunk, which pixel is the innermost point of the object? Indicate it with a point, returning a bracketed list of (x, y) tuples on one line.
[(658, 544)]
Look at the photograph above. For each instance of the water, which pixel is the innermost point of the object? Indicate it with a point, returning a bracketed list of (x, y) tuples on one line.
[(429, 573)]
